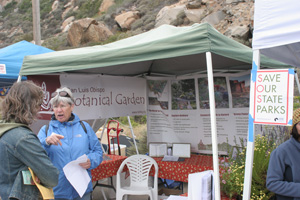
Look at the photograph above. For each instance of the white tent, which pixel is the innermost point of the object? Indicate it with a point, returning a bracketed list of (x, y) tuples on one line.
[(277, 30), (276, 35)]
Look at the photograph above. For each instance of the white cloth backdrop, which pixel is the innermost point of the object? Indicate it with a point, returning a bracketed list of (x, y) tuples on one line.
[(277, 30)]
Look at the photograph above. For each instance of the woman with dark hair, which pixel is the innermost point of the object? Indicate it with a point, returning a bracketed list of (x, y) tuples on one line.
[(65, 139), (283, 177), (20, 148)]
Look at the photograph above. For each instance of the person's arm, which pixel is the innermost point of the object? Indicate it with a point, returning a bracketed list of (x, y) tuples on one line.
[(32, 154), (42, 137), (49, 139), (275, 176), (96, 153)]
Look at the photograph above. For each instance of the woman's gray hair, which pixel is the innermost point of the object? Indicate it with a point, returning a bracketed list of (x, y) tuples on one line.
[(57, 98)]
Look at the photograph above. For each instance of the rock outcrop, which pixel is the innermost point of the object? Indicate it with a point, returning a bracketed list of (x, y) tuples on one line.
[(87, 30), (233, 18)]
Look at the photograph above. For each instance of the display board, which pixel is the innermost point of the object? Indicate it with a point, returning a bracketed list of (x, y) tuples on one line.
[(178, 110)]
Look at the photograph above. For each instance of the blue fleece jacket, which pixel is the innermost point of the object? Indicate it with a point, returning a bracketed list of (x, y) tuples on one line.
[(74, 144), (283, 176)]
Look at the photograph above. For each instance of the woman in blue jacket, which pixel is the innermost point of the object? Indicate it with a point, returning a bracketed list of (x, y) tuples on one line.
[(20, 148), (65, 139), (283, 176)]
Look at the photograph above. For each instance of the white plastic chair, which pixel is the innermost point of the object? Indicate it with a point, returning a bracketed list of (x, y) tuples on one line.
[(139, 167)]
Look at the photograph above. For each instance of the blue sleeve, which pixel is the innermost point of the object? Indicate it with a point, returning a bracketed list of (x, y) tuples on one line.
[(42, 137), (275, 176), (96, 154)]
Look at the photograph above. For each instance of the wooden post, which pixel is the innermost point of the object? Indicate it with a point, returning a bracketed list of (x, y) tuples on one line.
[(36, 22)]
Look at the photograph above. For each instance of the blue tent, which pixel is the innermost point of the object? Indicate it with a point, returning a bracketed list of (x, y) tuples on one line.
[(12, 56)]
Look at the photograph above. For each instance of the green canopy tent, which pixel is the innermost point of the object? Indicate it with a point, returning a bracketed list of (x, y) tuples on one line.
[(164, 51)]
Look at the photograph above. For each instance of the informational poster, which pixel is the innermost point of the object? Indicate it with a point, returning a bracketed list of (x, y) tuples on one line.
[(273, 96), (178, 111)]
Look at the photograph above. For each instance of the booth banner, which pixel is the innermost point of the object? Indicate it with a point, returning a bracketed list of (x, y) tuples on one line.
[(96, 96), (273, 96), (178, 111), (2, 69)]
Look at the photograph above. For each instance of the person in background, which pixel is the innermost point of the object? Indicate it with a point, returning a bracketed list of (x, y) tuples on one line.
[(20, 148), (283, 177), (65, 139)]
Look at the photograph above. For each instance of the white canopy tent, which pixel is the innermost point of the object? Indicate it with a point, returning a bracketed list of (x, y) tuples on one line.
[(276, 35), (277, 30)]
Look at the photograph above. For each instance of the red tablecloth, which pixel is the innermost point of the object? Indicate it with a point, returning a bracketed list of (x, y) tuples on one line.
[(180, 170), (107, 168)]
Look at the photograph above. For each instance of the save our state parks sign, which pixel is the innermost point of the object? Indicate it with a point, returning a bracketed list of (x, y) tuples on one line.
[(273, 96)]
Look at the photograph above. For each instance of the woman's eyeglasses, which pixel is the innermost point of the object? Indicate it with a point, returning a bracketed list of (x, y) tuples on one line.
[(61, 93)]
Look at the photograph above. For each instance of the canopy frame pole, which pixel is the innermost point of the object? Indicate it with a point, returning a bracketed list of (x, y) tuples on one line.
[(251, 131), (133, 136), (297, 81), (102, 136), (19, 78), (212, 109)]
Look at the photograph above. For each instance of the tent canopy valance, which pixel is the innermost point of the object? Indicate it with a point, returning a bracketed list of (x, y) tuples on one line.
[(166, 50)]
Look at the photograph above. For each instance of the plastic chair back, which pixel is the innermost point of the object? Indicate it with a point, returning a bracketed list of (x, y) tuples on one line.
[(139, 167)]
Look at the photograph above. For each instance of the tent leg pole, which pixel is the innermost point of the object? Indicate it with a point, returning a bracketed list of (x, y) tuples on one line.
[(212, 109), (251, 134), (19, 78), (132, 134), (102, 136), (297, 81)]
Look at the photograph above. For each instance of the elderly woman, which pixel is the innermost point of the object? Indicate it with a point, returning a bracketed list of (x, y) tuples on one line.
[(65, 139), (283, 177), (20, 148)]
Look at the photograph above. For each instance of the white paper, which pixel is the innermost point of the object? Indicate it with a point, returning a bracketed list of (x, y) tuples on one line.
[(173, 197), (77, 175), (170, 158), (200, 186)]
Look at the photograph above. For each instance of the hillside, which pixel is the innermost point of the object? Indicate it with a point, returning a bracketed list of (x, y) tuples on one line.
[(75, 23)]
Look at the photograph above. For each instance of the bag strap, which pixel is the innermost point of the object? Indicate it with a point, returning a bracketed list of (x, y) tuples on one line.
[(82, 124)]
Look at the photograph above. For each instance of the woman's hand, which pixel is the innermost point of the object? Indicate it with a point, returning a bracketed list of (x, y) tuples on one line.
[(86, 164), (54, 139)]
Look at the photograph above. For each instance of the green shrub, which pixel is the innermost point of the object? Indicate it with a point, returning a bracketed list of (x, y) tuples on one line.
[(45, 7), (88, 8), (25, 7), (56, 43), (232, 172), (141, 145)]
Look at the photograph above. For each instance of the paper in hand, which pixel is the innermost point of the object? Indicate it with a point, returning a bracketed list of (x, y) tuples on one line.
[(77, 175)]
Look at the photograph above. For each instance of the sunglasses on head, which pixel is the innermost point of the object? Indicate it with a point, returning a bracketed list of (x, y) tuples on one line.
[(61, 93)]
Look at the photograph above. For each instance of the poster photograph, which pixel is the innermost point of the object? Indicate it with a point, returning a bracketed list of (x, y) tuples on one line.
[(183, 94), (221, 93), (240, 90)]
